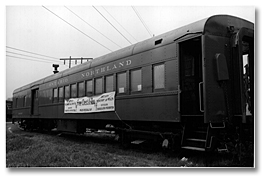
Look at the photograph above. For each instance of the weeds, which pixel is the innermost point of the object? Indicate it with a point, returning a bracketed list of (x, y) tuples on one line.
[(25, 149)]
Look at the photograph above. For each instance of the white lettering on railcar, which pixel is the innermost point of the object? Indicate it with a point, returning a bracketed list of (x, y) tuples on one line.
[(90, 73), (106, 68), (59, 82)]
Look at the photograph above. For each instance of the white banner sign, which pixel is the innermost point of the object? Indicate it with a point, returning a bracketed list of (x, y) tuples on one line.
[(99, 103)]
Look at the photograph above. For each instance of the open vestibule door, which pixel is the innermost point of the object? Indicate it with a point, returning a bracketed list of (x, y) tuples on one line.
[(190, 77), (244, 74)]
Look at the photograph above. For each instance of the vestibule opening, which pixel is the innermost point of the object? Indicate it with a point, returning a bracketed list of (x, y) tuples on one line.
[(191, 100)]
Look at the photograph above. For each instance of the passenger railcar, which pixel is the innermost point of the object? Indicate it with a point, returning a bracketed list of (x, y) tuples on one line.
[(186, 88), (8, 110)]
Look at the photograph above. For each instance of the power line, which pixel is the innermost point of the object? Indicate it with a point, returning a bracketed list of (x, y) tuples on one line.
[(76, 28), (120, 25), (148, 30), (31, 59), (92, 26), (30, 56), (112, 24), (30, 52)]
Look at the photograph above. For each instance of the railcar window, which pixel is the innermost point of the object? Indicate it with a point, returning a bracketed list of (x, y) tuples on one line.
[(61, 94), (159, 76), (81, 89), (74, 90), (67, 92), (16, 103), (109, 83), (98, 86), (89, 88), (49, 94), (24, 100), (55, 95), (136, 80), (122, 82)]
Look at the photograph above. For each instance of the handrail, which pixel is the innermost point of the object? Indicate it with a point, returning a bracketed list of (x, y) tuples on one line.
[(200, 97)]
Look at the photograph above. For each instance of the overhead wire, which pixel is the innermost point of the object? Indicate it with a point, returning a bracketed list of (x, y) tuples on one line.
[(31, 52), (30, 56), (77, 29), (32, 59), (120, 24), (111, 24), (144, 24), (92, 26)]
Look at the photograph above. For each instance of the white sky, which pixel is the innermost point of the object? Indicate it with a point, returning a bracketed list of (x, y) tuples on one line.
[(35, 29)]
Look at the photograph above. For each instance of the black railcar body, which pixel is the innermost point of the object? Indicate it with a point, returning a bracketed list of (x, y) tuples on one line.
[(8, 110), (199, 77)]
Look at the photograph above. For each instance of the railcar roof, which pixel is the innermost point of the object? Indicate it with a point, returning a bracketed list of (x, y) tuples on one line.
[(213, 24)]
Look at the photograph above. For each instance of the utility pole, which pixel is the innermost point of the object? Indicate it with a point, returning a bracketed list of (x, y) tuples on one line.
[(75, 59)]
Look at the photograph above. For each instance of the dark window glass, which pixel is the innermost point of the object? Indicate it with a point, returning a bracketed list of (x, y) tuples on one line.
[(50, 94), (81, 89), (136, 80), (122, 82), (67, 92), (61, 94), (89, 88), (109, 83), (74, 90), (98, 86), (24, 101), (159, 77), (55, 95), (16, 103)]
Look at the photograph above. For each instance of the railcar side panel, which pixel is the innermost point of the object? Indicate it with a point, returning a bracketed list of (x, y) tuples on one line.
[(21, 104), (149, 108)]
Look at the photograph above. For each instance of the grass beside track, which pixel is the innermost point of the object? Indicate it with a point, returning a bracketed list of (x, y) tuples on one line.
[(32, 149)]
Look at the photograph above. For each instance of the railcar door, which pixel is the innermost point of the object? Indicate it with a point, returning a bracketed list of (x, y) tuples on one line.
[(34, 102), (190, 77), (244, 73)]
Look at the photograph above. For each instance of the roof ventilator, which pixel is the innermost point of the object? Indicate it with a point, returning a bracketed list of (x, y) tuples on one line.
[(158, 41)]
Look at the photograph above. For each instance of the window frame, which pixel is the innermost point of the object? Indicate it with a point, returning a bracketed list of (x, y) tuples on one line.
[(130, 79), (105, 83), (55, 99), (24, 100), (15, 101), (81, 93), (126, 83), (154, 78), (61, 98), (76, 90), (65, 96), (86, 88), (95, 87)]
